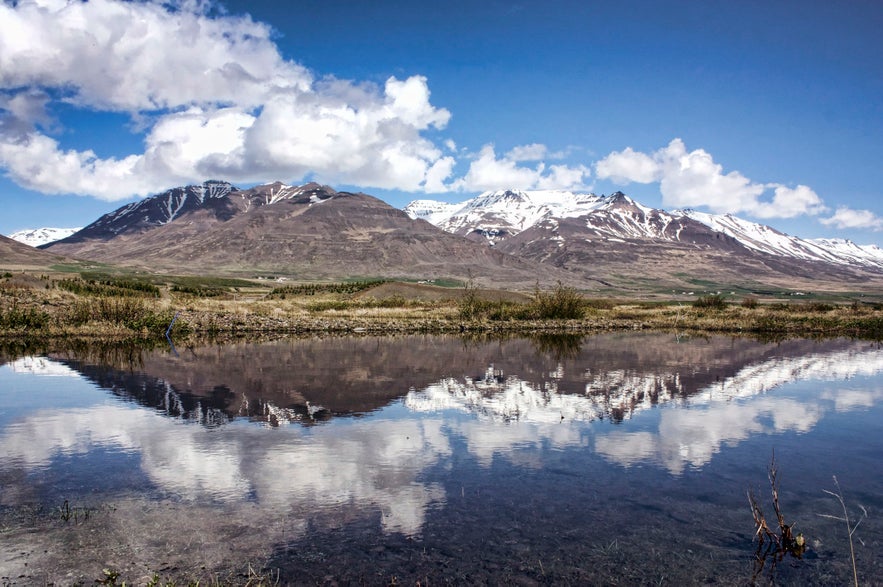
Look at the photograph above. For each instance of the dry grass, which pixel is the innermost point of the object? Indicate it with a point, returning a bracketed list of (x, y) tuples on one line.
[(29, 304), (851, 525)]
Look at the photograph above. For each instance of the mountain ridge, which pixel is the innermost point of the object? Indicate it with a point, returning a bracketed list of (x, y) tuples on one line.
[(618, 216), (303, 232)]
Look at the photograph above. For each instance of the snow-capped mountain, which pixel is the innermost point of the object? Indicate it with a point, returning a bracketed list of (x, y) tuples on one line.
[(765, 239), (35, 237), (214, 201), (310, 230), (497, 216)]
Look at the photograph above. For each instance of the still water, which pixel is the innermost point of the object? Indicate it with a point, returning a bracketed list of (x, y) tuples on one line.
[(621, 458)]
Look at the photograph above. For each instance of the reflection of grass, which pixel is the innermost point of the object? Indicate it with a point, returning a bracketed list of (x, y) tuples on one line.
[(560, 346)]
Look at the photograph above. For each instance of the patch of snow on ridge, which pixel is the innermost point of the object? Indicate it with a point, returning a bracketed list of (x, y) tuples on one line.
[(768, 240), (504, 212), (35, 237), (430, 210)]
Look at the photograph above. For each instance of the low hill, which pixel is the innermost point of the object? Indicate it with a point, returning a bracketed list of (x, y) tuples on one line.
[(15, 255)]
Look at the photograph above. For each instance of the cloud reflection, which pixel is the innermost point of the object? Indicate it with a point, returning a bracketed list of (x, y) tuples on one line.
[(513, 413), (372, 466), (376, 465)]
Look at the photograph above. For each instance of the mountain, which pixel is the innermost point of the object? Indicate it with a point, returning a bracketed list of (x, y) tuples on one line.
[(618, 240), (303, 232), (494, 216), (768, 240), (16, 255), (34, 237)]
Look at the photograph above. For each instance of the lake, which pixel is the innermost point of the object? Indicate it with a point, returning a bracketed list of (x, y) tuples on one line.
[(617, 458)]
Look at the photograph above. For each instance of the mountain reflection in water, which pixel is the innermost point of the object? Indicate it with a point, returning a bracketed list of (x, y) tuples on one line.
[(321, 432)]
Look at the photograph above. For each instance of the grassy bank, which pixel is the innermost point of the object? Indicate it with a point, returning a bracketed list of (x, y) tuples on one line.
[(41, 306)]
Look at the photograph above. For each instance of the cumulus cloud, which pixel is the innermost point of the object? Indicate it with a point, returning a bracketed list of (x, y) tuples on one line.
[(628, 166), (693, 179), (532, 152), (219, 99), (846, 217), (488, 172), (135, 56)]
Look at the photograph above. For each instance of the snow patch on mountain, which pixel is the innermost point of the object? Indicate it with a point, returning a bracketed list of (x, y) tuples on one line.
[(500, 214), (766, 239), (35, 237)]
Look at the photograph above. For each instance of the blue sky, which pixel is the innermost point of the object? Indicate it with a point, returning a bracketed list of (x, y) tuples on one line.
[(769, 110)]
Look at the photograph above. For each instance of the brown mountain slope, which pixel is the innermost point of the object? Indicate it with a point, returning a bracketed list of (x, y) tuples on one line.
[(15, 255), (313, 232), (671, 254)]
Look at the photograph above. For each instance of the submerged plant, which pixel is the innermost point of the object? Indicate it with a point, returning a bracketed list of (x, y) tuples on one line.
[(779, 540), (66, 513)]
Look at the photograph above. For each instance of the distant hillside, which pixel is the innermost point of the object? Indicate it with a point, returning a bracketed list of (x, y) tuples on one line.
[(622, 242), (15, 255), (304, 232)]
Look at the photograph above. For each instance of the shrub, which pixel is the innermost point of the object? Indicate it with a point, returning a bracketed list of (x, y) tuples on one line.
[(200, 291), (109, 287), (819, 307), (710, 302), (749, 303), (130, 313), (311, 289), (562, 303), (28, 318)]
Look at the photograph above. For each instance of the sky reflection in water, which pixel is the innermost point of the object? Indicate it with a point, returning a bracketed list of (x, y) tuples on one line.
[(256, 424)]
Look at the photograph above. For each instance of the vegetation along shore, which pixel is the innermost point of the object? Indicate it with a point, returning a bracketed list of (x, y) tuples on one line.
[(47, 305)]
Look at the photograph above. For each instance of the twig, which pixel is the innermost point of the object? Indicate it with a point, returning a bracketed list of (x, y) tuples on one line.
[(850, 529)]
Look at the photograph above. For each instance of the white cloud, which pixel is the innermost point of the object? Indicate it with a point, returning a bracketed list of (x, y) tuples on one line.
[(628, 166), (135, 56), (790, 202), (487, 172), (532, 152), (219, 99), (693, 179), (846, 217)]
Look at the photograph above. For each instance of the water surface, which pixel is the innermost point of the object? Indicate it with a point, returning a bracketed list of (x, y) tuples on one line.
[(617, 458)]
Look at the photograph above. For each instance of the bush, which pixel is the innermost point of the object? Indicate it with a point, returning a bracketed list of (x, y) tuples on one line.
[(109, 287), (27, 318), (749, 303), (200, 291), (710, 302), (311, 289), (129, 313), (562, 303)]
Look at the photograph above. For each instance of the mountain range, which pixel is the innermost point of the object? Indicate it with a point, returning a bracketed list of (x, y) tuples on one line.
[(302, 232), (506, 238), (630, 243)]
